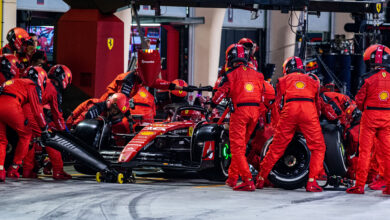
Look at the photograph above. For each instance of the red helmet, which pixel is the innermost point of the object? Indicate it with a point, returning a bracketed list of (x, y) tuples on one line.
[(17, 36), (119, 100), (61, 74), (377, 55), (246, 42), (236, 53), (179, 93), (293, 64), (9, 66), (38, 75)]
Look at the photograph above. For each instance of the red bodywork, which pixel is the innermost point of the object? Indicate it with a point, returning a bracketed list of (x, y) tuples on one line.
[(148, 134)]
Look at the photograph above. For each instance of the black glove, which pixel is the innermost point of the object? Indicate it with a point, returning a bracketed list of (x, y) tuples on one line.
[(189, 88), (45, 135)]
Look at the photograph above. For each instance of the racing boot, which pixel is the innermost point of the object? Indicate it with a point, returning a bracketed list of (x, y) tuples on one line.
[(260, 182), (27, 173), (47, 166), (61, 175), (2, 175), (13, 171), (386, 191), (355, 190), (313, 186), (377, 184), (246, 185), (231, 182)]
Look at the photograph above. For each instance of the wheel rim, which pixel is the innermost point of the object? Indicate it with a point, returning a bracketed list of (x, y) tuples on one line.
[(295, 161), (98, 177), (120, 178), (226, 155)]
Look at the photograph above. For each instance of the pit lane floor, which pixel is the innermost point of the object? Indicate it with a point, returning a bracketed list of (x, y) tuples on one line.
[(158, 196)]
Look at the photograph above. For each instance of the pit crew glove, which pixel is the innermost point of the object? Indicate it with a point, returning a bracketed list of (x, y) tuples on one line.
[(189, 88)]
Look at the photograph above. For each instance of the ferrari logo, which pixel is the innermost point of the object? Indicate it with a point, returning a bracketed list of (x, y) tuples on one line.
[(142, 94), (299, 85), (349, 111), (378, 7), (42, 73), (244, 68), (124, 108), (384, 74), (68, 74), (383, 96), (19, 36), (180, 91), (186, 112), (249, 87), (110, 43), (190, 131)]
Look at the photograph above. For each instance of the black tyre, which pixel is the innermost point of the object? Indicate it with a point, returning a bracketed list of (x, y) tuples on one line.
[(292, 169), (222, 159), (335, 157), (84, 169)]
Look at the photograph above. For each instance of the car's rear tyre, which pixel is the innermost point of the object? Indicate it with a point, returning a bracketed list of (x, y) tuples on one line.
[(292, 169)]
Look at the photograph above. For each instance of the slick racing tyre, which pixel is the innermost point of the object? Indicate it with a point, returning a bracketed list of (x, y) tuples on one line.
[(222, 159), (335, 157), (292, 169)]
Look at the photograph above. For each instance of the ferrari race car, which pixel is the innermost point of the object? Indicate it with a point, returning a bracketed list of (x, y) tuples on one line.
[(187, 141)]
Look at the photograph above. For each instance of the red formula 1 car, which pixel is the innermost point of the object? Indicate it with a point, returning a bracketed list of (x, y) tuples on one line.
[(189, 141)]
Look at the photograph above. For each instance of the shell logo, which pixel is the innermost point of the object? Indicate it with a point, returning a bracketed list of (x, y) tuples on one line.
[(249, 87), (9, 82), (300, 85), (384, 74), (147, 133), (14, 61), (68, 74), (349, 111), (384, 95), (142, 94), (19, 36)]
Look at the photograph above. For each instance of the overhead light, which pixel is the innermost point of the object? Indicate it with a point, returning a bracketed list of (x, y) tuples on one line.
[(150, 25)]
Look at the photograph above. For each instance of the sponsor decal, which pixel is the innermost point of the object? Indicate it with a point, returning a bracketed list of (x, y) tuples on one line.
[(147, 133), (384, 74), (249, 87), (300, 85), (384, 95), (142, 94)]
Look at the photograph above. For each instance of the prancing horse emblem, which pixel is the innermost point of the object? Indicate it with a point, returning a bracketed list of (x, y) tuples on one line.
[(110, 43)]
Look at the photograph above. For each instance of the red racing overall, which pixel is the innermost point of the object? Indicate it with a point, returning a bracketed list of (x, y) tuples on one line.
[(245, 87), (50, 97), (16, 93), (300, 111), (373, 98)]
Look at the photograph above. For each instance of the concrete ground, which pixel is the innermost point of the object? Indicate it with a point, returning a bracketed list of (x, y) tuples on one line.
[(158, 196)]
